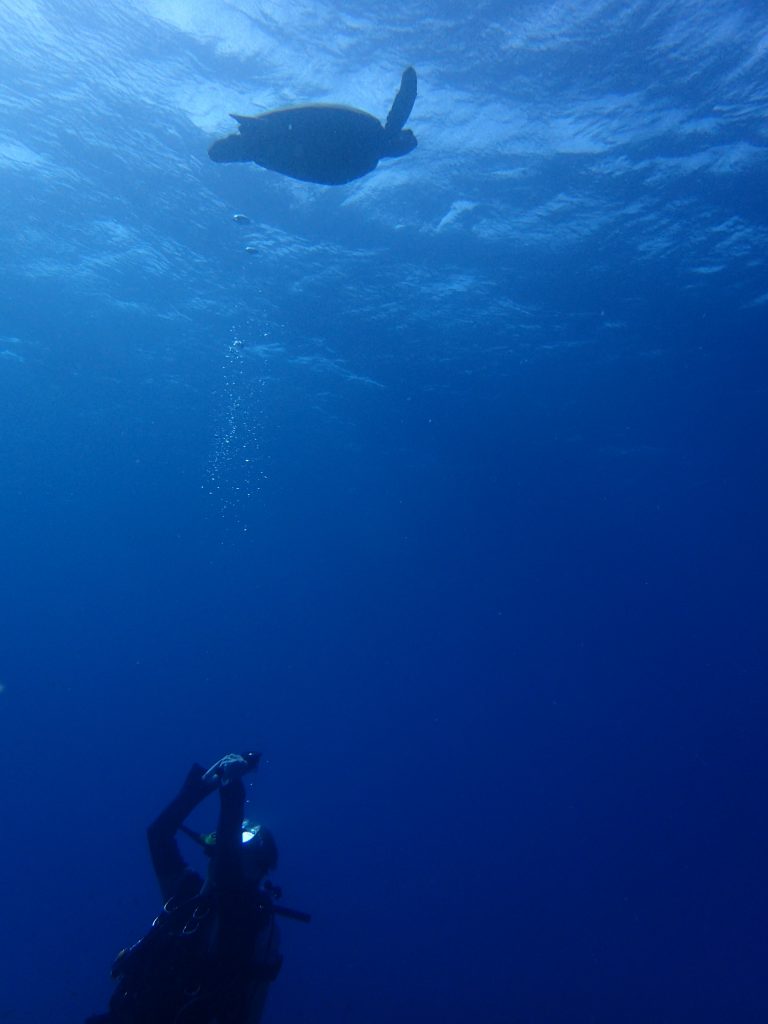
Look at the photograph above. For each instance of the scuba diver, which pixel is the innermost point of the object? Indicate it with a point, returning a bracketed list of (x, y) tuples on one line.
[(213, 950)]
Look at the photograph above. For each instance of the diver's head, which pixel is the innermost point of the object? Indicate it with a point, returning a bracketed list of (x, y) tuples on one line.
[(259, 855), (259, 851)]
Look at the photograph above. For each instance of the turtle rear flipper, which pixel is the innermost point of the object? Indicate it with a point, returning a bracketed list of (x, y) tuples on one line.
[(230, 150), (403, 103)]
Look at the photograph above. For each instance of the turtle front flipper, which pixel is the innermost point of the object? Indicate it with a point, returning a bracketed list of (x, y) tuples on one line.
[(403, 103)]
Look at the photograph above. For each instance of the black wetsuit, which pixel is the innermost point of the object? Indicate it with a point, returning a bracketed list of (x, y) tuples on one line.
[(223, 927)]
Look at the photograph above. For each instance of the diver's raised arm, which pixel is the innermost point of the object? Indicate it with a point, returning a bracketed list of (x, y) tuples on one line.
[(167, 861)]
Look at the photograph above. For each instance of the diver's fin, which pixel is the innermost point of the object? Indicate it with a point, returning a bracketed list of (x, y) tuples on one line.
[(403, 103)]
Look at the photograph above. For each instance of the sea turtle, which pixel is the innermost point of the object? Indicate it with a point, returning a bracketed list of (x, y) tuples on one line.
[(321, 142)]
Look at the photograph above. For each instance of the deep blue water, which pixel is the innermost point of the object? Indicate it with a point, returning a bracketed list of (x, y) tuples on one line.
[(451, 499)]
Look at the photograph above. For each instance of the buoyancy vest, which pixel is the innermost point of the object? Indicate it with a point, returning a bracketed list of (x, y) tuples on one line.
[(176, 973)]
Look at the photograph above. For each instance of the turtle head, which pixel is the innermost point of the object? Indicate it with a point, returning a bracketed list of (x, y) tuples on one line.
[(399, 144)]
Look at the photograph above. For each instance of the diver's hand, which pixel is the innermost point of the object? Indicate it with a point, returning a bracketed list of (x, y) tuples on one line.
[(231, 767), (196, 786)]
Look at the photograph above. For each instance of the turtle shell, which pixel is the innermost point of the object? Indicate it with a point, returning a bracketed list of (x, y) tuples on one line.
[(319, 142)]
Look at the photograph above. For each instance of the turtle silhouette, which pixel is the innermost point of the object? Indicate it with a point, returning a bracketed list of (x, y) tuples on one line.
[(321, 142)]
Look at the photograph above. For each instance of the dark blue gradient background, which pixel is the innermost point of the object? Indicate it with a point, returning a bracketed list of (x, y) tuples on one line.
[(493, 609)]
